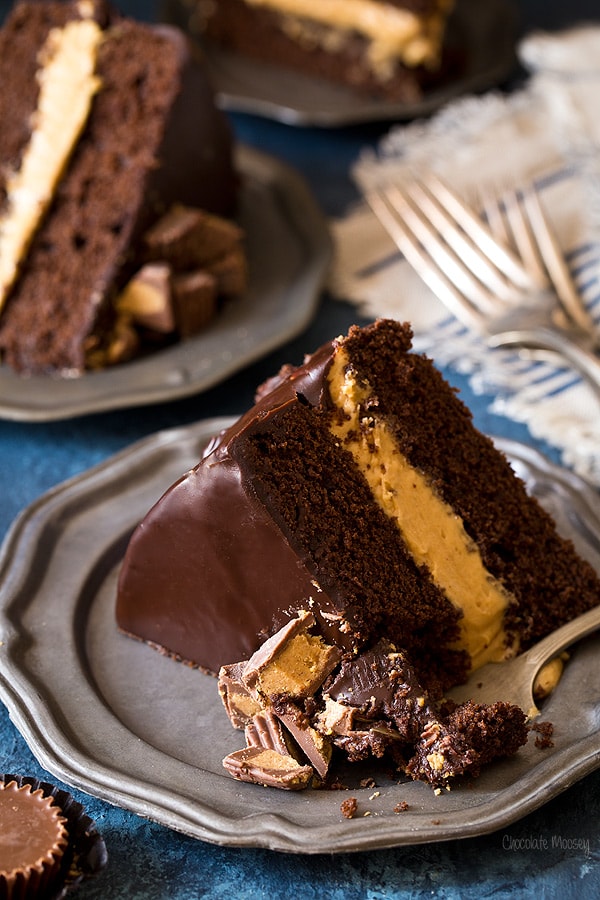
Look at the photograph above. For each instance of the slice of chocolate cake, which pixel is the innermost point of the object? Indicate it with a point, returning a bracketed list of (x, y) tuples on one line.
[(356, 491), (358, 488), (392, 49), (106, 123)]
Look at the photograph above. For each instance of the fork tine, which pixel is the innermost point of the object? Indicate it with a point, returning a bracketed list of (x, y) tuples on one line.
[(555, 262), (421, 261), (506, 220), (495, 218), (471, 255), (446, 246), (524, 241), (504, 258)]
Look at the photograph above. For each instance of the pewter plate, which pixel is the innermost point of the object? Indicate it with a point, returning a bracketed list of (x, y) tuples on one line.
[(113, 717), (485, 29), (289, 249)]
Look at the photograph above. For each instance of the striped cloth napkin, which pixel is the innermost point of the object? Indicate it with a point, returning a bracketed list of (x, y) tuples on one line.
[(549, 132)]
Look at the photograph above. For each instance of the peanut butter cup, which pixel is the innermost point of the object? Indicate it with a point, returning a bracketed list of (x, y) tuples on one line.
[(33, 839)]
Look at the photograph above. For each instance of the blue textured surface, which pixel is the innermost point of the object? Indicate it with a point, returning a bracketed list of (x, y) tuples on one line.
[(554, 852)]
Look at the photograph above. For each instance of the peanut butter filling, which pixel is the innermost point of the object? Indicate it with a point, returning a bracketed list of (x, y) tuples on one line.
[(67, 86), (433, 533), (295, 665), (393, 34)]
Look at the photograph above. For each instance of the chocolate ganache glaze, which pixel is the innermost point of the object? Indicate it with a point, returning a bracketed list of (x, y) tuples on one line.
[(217, 614)]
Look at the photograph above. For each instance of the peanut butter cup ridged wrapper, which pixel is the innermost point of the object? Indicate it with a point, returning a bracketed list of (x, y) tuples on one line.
[(48, 844)]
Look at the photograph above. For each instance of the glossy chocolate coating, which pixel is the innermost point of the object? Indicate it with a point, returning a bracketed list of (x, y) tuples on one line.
[(216, 607), (196, 165)]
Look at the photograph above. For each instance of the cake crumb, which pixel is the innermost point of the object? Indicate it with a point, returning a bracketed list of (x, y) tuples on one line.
[(348, 807), (401, 807), (368, 783), (336, 785), (543, 739)]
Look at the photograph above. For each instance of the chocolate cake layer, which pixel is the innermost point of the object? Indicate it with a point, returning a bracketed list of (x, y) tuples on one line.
[(152, 137), (282, 516)]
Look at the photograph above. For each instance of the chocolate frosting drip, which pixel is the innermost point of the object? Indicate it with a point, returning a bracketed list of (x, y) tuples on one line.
[(204, 607)]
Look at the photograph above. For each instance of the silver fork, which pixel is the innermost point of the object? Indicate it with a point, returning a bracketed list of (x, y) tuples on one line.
[(513, 680), (482, 281), (517, 220)]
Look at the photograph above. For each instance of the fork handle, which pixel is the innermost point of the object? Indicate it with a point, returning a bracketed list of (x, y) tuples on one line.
[(579, 356)]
